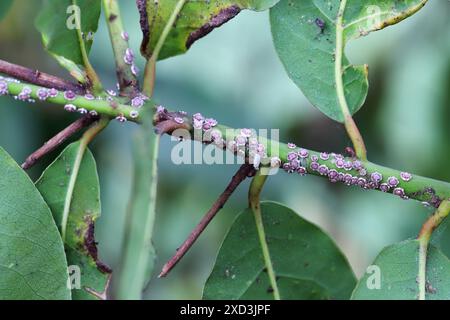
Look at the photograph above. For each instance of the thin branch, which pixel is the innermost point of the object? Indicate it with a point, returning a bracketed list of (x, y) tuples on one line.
[(125, 67), (49, 81), (429, 191), (243, 172), (108, 107), (58, 139), (37, 77)]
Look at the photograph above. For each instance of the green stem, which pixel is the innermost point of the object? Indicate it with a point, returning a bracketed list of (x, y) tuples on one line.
[(424, 239), (94, 80), (127, 80), (254, 203), (149, 75), (103, 107), (84, 142), (349, 123), (419, 188), (138, 252)]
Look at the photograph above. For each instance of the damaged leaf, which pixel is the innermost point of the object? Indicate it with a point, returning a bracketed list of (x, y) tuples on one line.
[(196, 20), (84, 210), (305, 33)]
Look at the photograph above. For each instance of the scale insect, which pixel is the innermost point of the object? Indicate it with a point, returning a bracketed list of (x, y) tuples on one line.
[(321, 24)]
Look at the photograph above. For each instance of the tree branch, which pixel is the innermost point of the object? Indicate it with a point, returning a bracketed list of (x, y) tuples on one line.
[(430, 191), (58, 139), (38, 78), (124, 57), (108, 106), (243, 172)]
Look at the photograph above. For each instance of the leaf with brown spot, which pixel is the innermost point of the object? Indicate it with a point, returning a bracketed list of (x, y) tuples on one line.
[(85, 208), (196, 20)]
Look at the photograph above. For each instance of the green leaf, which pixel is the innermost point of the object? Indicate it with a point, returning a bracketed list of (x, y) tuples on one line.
[(399, 265), (4, 7), (84, 210), (138, 251), (32, 260), (307, 263), (57, 22), (308, 53), (196, 20)]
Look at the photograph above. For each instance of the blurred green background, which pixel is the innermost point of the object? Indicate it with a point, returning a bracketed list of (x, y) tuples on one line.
[(235, 75)]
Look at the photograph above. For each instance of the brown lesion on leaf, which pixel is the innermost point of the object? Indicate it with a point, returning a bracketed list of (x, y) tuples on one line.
[(142, 8), (216, 21), (91, 245)]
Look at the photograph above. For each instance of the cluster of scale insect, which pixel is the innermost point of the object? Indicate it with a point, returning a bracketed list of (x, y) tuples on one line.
[(43, 94), (137, 102), (129, 57), (348, 171), (244, 144)]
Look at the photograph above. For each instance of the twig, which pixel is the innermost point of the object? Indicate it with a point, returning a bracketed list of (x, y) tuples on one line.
[(37, 77), (429, 191), (119, 40), (49, 81), (58, 139), (243, 172), (111, 108)]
